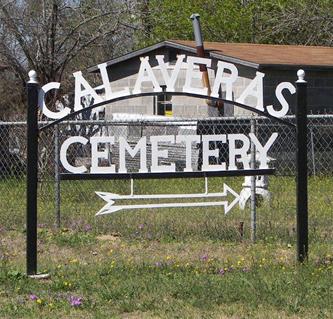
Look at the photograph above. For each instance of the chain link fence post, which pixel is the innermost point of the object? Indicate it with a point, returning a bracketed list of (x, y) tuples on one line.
[(313, 153), (253, 186), (57, 176)]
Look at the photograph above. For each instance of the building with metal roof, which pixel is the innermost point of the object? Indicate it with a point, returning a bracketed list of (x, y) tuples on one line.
[(279, 63)]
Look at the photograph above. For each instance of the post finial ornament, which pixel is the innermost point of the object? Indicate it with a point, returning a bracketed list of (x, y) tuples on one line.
[(301, 76), (195, 16), (32, 76)]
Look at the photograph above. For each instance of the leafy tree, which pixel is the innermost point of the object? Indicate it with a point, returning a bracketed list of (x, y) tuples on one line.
[(306, 22), (220, 20), (259, 21)]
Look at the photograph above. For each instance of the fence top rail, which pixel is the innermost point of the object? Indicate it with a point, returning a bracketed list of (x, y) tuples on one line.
[(178, 121)]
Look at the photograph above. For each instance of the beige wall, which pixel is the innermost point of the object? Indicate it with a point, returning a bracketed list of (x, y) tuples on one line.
[(183, 106)]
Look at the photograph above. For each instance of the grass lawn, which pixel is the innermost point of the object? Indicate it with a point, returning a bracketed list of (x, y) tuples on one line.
[(174, 263)]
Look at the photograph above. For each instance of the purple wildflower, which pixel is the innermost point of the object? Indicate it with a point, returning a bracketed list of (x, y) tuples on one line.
[(75, 301), (87, 227), (33, 297), (204, 257), (141, 226), (245, 269), (221, 272), (158, 264)]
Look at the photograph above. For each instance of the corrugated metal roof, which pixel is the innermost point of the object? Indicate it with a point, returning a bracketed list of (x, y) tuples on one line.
[(270, 54)]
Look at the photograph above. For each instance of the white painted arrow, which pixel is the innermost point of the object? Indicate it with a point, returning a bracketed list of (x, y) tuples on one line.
[(110, 197)]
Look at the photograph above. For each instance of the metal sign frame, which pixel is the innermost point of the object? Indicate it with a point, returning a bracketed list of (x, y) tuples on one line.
[(32, 161)]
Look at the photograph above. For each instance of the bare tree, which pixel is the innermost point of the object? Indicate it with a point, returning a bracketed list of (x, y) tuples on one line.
[(56, 37)]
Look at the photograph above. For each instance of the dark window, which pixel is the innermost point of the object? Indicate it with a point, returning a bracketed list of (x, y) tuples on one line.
[(164, 104), (172, 56)]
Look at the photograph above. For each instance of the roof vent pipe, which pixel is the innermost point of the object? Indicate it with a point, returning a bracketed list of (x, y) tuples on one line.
[(195, 17), (200, 48)]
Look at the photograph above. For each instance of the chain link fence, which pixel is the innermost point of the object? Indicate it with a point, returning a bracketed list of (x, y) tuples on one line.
[(13, 141), (74, 203)]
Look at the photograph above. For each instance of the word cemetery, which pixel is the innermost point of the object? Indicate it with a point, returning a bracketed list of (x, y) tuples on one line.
[(236, 154)]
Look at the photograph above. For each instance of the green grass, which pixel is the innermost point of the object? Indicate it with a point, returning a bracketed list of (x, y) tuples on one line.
[(175, 263)]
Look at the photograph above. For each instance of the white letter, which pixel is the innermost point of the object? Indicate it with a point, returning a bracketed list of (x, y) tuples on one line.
[(285, 106), (188, 139), (255, 89), (233, 151), (207, 153), (190, 74), (156, 153), (170, 81), (228, 80), (140, 146), (41, 102), (263, 150), (107, 85), (150, 77), (96, 154), (79, 93), (63, 154)]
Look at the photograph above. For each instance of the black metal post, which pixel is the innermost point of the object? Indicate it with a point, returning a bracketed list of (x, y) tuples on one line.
[(302, 168), (32, 171)]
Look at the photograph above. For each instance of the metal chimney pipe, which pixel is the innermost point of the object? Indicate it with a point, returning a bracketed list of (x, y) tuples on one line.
[(200, 49), (195, 17), (198, 40)]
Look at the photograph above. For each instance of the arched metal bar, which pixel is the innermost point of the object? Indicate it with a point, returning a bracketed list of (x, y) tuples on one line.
[(132, 96)]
